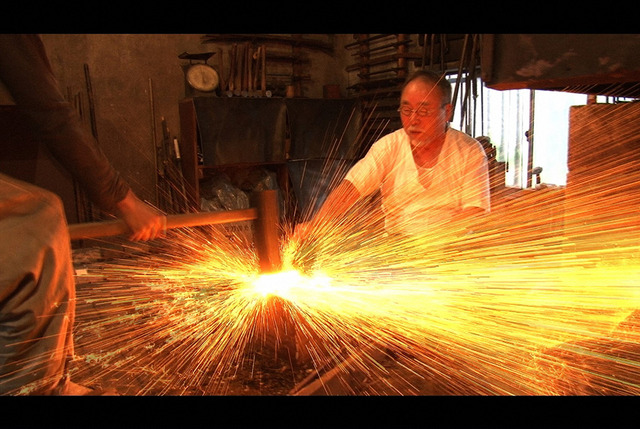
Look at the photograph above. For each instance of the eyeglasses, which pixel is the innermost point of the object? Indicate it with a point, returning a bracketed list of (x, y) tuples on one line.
[(422, 111)]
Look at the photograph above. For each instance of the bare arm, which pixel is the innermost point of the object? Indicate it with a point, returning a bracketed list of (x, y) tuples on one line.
[(469, 213), (27, 74), (338, 202), (468, 219)]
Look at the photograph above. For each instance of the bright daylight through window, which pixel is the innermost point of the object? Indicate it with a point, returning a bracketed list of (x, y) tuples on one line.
[(505, 117)]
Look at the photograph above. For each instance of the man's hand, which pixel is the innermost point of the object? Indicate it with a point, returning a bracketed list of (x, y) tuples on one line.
[(301, 231), (338, 202), (145, 222)]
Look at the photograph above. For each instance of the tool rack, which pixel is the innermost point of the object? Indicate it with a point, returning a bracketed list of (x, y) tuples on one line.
[(383, 62), (265, 65), (381, 67)]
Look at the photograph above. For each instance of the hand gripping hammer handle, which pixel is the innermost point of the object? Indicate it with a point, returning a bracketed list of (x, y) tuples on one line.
[(264, 213)]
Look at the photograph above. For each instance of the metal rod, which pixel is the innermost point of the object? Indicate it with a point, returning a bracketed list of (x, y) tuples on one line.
[(443, 41), (530, 133), (460, 68), (154, 140), (92, 110), (424, 51), (432, 51)]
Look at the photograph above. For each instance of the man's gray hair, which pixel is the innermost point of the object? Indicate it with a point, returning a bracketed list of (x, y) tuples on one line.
[(436, 79)]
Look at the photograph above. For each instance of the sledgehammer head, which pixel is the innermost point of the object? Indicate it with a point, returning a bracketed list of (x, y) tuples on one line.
[(267, 235)]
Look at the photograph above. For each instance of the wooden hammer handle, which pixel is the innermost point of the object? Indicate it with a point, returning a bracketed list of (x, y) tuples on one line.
[(81, 231)]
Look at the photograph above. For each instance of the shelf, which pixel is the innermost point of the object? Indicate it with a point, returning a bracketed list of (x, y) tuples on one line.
[(383, 60), (369, 39), (382, 47), (295, 41), (380, 83)]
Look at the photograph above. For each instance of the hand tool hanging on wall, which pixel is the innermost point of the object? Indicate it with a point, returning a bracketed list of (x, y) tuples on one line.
[(443, 51), (166, 152), (474, 83), (178, 167), (256, 69), (467, 122), (233, 61), (425, 37), (401, 62), (246, 70), (229, 54), (92, 110), (263, 70), (164, 194), (154, 139), (265, 213), (174, 182), (222, 84), (239, 69), (460, 68), (249, 87)]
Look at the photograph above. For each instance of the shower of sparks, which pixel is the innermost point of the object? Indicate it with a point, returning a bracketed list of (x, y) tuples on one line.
[(539, 297)]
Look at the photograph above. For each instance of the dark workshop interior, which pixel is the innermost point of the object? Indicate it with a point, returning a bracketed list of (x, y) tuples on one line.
[(205, 122)]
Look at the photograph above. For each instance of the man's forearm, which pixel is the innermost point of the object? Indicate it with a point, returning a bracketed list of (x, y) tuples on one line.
[(338, 202)]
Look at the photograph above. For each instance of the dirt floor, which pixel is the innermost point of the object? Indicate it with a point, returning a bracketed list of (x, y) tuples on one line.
[(272, 378), (262, 372), (607, 367)]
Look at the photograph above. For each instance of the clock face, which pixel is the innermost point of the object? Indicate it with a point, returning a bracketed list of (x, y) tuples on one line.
[(202, 77)]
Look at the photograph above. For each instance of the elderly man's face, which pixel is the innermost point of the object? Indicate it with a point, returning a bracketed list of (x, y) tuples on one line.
[(424, 116)]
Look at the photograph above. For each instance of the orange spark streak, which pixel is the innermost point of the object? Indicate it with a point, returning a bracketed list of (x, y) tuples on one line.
[(521, 303)]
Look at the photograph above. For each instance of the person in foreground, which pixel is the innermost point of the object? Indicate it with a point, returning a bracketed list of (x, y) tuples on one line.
[(37, 289)]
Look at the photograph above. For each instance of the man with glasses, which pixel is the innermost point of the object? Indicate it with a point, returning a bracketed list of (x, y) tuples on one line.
[(428, 174)]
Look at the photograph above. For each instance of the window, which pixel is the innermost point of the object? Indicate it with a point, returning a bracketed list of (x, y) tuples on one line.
[(551, 133), (505, 117)]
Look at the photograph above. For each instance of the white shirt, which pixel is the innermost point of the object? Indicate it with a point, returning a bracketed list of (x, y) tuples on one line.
[(414, 198)]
